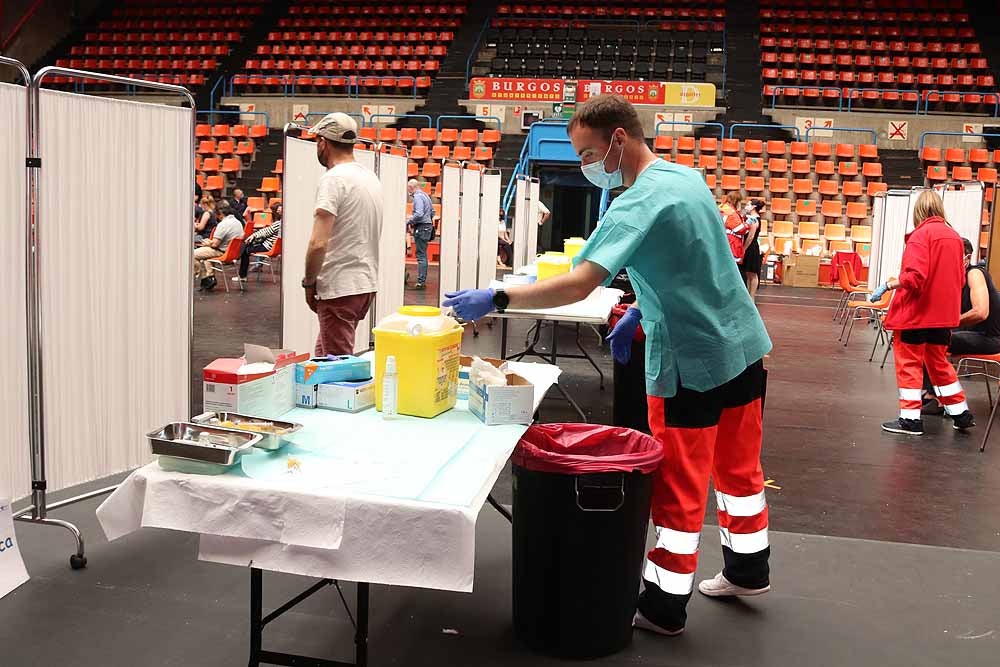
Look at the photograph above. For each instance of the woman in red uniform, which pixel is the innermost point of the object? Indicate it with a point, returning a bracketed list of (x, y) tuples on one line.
[(922, 315)]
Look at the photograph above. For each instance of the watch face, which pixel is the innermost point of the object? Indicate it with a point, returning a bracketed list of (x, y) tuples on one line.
[(501, 299)]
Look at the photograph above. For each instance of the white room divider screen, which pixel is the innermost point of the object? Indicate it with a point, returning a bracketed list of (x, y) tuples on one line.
[(15, 460), (891, 221), (531, 251), (302, 171), (299, 326), (468, 247), (963, 208), (489, 217), (115, 278), (392, 245), (451, 214), (520, 226)]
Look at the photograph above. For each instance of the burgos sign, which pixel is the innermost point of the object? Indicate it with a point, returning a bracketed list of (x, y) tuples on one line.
[(523, 90), (655, 93)]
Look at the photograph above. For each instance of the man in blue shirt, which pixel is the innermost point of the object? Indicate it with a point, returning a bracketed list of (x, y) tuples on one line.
[(705, 344), (421, 224)]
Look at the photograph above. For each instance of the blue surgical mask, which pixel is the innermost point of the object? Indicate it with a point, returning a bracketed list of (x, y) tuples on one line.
[(595, 172)]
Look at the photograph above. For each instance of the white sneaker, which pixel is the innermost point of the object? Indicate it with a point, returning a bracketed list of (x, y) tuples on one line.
[(237, 279), (719, 586), (643, 623)]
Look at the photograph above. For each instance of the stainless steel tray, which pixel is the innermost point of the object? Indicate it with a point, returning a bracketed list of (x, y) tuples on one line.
[(269, 441), (198, 442)]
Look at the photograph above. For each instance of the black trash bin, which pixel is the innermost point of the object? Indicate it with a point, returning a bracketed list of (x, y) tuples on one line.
[(581, 509)]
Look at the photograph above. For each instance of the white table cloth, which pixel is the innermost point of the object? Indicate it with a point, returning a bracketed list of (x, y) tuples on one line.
[(386, 502)]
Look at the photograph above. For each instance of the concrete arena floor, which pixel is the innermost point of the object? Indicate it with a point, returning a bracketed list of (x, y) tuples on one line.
[(885, 548)]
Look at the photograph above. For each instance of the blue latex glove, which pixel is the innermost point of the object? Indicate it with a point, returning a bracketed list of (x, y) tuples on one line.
[(879, 291), (470, 304), (622, 335)]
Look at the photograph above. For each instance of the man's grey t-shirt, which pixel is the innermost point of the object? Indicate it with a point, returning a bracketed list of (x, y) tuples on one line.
[(227, 230)]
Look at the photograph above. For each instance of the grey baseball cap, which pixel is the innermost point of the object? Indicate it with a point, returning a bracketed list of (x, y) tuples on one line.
[(337, 127)]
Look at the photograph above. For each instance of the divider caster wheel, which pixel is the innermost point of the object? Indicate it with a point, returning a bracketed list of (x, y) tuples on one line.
[(77, 562)]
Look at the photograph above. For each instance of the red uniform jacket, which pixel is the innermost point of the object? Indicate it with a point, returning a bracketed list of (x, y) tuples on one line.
[(736, 230), (931, 279)]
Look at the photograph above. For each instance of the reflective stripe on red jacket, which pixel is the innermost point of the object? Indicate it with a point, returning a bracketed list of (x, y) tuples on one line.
[(931, 279)]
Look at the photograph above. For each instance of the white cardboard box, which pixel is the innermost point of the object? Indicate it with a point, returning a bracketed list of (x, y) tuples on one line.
[(346, 396), (268, 393), (510, 404)]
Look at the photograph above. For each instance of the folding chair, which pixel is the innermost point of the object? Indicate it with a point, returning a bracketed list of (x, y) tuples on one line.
[(231, 256), (864, 310), (985, 361)]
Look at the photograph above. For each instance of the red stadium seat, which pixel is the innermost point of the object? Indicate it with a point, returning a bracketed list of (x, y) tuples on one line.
[(708, 161), (937, 173), (876, 187), (872, 170), (778, 185)]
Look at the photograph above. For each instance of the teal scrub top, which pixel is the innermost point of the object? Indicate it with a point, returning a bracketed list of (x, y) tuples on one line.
[(702, 329)]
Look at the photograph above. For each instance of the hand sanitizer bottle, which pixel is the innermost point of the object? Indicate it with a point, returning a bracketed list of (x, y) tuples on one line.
[(390, 386)]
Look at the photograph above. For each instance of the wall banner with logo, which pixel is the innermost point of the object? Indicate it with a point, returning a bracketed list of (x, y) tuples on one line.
[(658, 93), (528, 90)]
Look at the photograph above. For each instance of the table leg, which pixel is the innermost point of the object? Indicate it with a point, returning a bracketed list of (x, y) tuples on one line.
[(361, 632), (501, 510), (256, 612), (503, 338), (553, 360), (588, 357), (530, 350)]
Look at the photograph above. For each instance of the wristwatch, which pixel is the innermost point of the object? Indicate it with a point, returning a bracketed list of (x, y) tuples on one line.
[(500, 299), (306, 285)]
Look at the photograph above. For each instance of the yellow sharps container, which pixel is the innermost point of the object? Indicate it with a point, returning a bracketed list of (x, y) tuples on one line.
[(426, 345), (573, 246), (553, 264)]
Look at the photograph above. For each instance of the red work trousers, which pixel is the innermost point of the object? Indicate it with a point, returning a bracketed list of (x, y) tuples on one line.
[(714, 434), (914, 350), (338, 321)]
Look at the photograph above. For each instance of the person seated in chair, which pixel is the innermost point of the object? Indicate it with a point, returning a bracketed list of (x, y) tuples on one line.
[(978, 331), (227, 229), (261, 240), (505, 251)]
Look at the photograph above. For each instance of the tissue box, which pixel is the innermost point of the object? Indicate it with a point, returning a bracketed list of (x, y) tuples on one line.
[(463, 382), (346, 396), (339, 369), (510, 404), (262, 383)]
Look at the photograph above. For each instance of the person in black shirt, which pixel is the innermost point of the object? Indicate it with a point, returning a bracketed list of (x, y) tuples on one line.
[(978, 331), (239, 204), (752, 259), (205, 221)]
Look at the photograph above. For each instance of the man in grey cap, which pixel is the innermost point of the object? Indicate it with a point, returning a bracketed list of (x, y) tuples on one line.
[(341, 271)]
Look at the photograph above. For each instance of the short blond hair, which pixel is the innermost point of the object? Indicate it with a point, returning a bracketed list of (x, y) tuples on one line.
[(929, 204)]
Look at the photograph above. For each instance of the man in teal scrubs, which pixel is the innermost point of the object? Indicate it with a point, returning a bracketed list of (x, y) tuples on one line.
[(705, 344)]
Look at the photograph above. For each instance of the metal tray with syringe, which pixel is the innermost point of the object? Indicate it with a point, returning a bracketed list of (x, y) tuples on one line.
[(199, 442)]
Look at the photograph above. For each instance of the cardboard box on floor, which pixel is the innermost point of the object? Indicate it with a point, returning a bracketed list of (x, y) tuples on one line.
[(801, 271), (494, 405)]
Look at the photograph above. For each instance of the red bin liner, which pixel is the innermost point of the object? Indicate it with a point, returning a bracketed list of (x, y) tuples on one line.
[(574, 449)]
